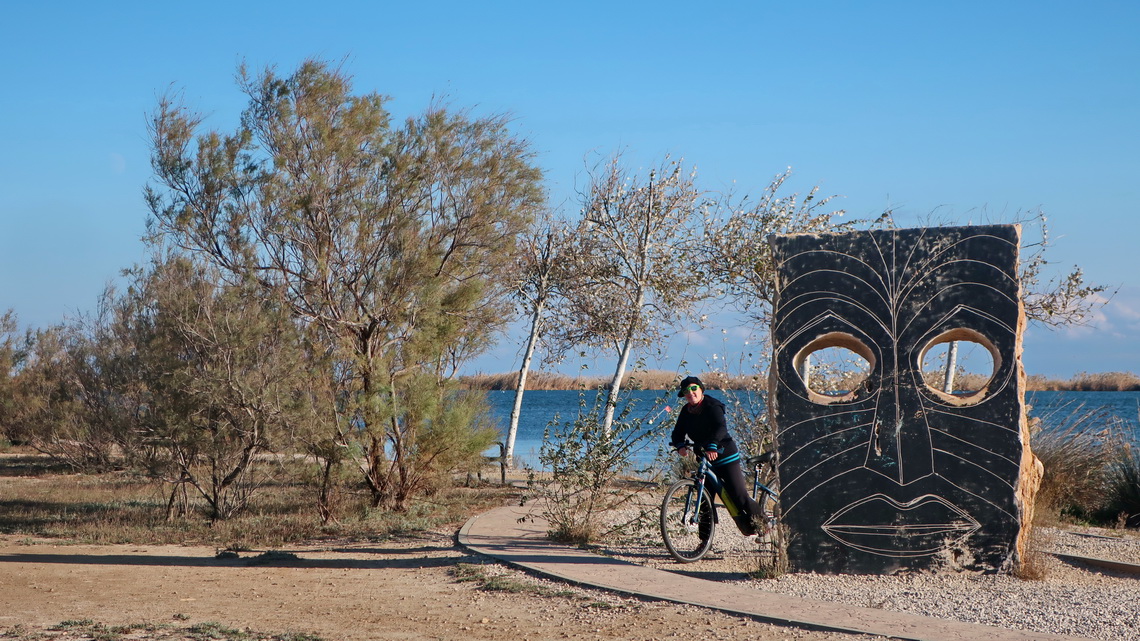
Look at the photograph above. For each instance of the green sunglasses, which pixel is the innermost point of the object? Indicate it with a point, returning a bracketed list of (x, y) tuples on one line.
[(692, 388)]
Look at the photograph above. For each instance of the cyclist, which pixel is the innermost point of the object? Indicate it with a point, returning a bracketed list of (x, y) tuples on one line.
[(701, 421)]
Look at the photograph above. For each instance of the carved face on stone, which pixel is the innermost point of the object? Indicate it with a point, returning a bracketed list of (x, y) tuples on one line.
[(898, 473)]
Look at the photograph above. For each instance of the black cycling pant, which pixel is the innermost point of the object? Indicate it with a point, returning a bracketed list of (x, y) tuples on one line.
[(731, 476)]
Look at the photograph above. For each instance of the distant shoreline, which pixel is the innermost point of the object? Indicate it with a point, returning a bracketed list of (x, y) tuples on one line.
[(660, 380)]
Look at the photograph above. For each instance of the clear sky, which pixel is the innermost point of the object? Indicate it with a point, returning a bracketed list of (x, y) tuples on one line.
[(969, 110)]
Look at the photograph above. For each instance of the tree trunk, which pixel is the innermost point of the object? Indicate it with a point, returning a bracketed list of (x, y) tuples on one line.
[(951, 366), (516, 411), (400, 454), (325, 492), (619, 371)]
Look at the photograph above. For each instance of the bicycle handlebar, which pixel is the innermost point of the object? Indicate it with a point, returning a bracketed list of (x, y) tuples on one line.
[(760, 459)]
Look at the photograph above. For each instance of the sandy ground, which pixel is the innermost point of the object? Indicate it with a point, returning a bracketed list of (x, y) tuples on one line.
[(396, 589)]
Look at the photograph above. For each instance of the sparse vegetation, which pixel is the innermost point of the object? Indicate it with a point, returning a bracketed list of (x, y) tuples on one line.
[(89, 630), (119, 507), (772, 560), (586, 463), (1033, 565), (492, 580), (1076, 455)]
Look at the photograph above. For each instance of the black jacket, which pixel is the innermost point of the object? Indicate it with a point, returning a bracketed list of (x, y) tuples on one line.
[(705, 427)]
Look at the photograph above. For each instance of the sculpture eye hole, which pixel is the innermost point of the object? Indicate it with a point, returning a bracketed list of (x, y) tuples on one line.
[(834, 367), (958, 366)]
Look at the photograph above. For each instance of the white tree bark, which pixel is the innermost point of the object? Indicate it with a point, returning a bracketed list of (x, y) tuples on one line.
[(520, 388), (619, 373), (951, 366)]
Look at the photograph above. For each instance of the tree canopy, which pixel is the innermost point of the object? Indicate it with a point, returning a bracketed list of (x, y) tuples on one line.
[(384, 237)]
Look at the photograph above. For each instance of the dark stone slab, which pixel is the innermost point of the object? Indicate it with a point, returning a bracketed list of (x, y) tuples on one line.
[(898, 474)]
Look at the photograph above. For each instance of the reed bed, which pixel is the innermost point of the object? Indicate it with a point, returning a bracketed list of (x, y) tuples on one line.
[(637, 379), (663, 379), (1086, 382)]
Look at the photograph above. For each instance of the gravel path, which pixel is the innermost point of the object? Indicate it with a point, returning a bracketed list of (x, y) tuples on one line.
[(1070, 599)]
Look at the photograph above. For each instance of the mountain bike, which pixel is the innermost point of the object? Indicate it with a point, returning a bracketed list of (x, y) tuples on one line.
[(688, 511)]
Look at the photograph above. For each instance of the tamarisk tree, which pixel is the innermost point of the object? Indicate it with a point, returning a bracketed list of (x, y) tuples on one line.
[(10, 359), (386, 238), (220, 367)]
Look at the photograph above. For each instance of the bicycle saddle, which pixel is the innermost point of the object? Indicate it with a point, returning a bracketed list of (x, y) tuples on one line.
[(761, 459)]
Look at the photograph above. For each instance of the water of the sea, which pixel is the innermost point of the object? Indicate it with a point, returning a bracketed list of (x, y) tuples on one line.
[(1057, 411)]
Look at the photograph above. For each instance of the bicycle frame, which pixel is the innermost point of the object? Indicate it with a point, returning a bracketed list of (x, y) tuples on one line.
[(758, 487), (704, 475), (688, 526), (757, 462)]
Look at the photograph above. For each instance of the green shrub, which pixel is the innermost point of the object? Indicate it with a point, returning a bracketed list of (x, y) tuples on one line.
[(586, 462)]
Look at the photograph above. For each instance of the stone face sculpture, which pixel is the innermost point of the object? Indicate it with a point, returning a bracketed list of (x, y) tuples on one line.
[(898, 474)]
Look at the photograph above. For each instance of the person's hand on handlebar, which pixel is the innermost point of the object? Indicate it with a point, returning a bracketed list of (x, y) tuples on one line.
[(711, 455)]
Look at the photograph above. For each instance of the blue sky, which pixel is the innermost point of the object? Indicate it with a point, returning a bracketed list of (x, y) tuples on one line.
[(972, 111)]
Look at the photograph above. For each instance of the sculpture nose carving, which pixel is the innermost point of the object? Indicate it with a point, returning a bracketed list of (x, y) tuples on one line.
[(900, 446)]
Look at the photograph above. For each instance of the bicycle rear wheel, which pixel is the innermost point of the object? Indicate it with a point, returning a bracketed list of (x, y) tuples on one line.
[(772, 560), (687, 521), (766, 519)]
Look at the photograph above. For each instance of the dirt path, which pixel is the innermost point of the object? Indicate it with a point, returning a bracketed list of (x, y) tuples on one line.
[(399, 589)]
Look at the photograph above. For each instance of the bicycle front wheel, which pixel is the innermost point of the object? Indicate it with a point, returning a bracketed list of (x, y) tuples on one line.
[(687, 521)]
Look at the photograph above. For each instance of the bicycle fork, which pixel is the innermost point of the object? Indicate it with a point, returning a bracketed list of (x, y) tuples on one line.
[(693, 503)]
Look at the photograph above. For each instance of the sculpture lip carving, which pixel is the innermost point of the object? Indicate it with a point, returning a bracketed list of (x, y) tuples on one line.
[(882, 525)]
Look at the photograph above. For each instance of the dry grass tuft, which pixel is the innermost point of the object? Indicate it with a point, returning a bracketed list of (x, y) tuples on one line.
[(1077, 456), (1124, 486), (1033, 565), (771, 560)]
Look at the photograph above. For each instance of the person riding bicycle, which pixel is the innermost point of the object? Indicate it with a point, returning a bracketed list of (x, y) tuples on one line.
[(701, 421)]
